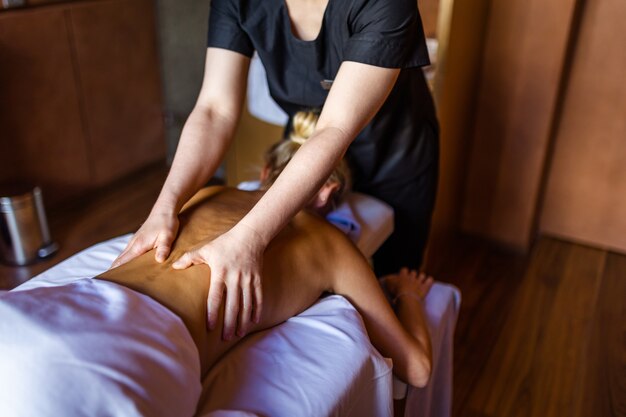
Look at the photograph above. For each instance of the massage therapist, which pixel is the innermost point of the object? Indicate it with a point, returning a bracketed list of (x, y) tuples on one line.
[(359, 61)]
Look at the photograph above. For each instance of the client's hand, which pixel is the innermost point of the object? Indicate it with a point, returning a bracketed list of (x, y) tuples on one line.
[(408, 283), (157, 232), (235, 259)]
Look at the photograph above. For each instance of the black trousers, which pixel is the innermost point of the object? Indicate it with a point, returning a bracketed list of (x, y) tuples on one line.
[(413, 203)]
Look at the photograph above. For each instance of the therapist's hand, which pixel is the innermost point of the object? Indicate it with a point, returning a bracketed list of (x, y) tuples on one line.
[(157, 232), (236, 262)]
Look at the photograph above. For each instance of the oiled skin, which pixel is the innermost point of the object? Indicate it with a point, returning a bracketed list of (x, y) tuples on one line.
[(308, 257)]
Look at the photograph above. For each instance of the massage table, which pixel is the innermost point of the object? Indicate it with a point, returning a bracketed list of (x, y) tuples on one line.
[(319, 363)]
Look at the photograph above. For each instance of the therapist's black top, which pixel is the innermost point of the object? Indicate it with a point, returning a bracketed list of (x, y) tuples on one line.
[(390, 151)]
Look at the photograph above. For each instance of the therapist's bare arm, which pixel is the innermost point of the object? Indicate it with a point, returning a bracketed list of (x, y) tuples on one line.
[(203, 143), (236, 257), (357, 94)]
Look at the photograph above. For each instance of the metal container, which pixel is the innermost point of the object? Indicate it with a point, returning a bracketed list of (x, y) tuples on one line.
[(24, 233)]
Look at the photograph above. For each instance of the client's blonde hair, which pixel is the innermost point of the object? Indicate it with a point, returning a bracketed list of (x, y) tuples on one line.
[(279, 154)]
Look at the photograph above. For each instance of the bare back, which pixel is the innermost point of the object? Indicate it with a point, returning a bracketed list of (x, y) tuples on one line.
[(297, 268)]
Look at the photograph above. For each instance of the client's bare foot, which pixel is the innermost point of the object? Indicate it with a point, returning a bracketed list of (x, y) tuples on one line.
[(408, 282)]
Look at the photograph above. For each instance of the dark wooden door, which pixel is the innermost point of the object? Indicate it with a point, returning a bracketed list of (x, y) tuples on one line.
[(586, 194)]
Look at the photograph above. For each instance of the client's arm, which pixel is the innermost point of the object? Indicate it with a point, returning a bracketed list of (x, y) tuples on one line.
[(405, 341), (409, 290)]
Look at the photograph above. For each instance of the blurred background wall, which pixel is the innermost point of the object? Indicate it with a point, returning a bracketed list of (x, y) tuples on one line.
[(182, 28), (80, 94)]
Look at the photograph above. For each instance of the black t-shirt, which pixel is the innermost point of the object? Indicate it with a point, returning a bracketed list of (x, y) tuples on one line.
[(386, 33)]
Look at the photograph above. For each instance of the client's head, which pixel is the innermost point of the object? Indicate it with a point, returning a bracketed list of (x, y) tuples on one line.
[(278, 156)]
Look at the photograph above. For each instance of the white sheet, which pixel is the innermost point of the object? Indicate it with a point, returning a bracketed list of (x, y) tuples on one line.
[(94, 348), (442, 309), (320, 363), (337, 343)]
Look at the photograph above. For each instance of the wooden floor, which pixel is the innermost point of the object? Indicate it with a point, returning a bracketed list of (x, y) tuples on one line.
[(542, 335)]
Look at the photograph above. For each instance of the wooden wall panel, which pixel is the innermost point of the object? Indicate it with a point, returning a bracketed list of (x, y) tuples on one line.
[(40, 125), (586, 193), (116, 51), (521, 68), (458, 69)]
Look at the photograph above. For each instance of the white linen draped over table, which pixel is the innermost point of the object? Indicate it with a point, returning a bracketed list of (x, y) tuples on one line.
[(93, 348)]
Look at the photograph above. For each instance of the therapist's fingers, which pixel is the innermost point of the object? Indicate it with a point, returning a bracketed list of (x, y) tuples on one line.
[(135, 248), (257, 291), (245, 310), (162, 252), (188, 259), (231, 311), (214, 299), (163, 246), (122, 255)]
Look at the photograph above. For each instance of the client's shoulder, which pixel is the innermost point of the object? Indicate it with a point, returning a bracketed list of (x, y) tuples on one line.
[(324, 234), (318, 245)]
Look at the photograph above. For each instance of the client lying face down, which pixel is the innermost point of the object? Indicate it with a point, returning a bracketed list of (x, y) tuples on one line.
[(309, 257), (305, 260)]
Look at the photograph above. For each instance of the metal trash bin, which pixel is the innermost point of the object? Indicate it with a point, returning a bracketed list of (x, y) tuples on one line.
[(24, 233)]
